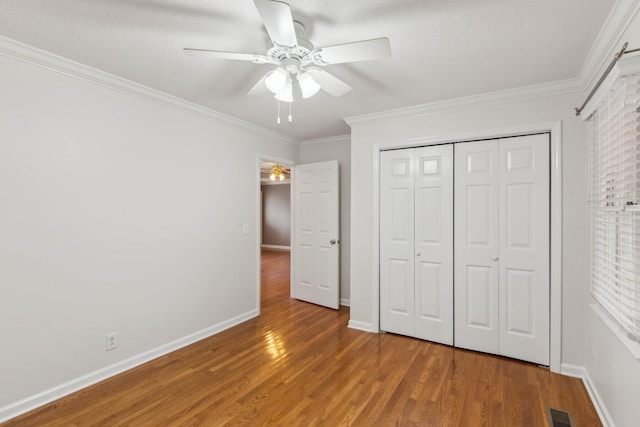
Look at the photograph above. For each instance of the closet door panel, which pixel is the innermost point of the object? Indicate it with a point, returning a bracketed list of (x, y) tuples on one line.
[(524, 248), (476, 246), (434, 243), (397, 241)]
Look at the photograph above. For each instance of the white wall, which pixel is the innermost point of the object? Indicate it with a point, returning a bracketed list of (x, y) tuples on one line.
[(612, 369), (276, 214), (468, 121), (116, 214), (337, 148)]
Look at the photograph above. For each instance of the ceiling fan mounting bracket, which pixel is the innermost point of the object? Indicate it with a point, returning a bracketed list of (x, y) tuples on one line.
[(302, 53), (280, 54)]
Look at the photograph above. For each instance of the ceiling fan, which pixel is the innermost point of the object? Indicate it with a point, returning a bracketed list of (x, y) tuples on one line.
[(296, 58)]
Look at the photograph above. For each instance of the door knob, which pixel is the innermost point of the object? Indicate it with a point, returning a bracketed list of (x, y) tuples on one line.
[(333, 241), (494, 257), (418, 253)]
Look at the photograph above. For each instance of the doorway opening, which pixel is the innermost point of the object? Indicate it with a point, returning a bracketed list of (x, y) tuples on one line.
[(273, 229)]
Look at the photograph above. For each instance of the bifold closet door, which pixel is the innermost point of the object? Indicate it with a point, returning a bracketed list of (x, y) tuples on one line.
[(502, 247), (416, 242), (524, 248), (476, 246)]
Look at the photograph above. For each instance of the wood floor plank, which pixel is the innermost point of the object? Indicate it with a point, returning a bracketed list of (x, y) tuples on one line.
[(299, 364)]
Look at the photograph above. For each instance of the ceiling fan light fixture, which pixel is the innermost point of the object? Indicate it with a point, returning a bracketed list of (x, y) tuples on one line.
[(277, 173), (276, 80), (308, 85), (286, 93)]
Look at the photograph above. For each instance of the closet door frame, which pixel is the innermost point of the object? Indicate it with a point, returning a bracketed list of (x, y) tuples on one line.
[(555, 135)]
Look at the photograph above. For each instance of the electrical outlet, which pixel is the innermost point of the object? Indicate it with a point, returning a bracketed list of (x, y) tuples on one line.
[(112, 341), (245, 229)]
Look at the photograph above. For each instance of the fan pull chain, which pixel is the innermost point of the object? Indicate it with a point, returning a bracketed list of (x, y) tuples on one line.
[(290, 116), (278, 112)]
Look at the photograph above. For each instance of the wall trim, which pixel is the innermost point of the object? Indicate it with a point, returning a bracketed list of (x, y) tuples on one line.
[(276, 247), (267, 181), (609, 41), (582, 373), (555, 265), (474, 101), (340, 139), (22, 52), (345, 302), (361, 326), (32, 402)]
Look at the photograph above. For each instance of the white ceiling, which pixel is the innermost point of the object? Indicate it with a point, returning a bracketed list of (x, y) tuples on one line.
[(441, 49)]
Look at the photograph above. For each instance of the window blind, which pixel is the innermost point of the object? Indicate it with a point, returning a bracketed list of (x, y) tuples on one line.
[(615, 193)]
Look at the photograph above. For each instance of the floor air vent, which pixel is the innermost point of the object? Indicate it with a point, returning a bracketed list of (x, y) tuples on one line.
[(558, 418)]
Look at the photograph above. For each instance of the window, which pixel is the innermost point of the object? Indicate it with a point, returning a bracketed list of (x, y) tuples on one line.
[(615, 214)]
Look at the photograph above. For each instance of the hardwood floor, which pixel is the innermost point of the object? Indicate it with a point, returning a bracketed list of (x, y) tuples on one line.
[(299, 364)]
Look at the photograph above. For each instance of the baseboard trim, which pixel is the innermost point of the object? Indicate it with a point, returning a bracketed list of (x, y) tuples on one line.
[(361, 326), (276, 247), (571, 370), (582, 373), (345, 301), (32, 402)]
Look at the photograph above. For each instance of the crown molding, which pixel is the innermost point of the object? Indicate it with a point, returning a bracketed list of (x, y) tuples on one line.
[(340, 139), (498, 97), (22, 52), (622, 14), (609, 41)]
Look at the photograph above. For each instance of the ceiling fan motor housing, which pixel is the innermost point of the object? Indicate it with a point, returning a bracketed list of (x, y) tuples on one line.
[(288, 56)]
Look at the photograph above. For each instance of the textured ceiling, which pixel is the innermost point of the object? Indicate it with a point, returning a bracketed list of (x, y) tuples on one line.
[(441, 49)]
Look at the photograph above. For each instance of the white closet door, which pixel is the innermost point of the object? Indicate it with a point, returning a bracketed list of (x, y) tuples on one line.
[(476, 246), (397, 308), (502, 247), (434, 243), (524, 248)]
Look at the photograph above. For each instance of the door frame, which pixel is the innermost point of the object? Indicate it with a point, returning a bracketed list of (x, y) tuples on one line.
[(555, 264), (258, 225)]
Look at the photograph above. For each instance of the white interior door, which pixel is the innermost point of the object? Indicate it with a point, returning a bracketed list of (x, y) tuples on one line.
[(397, 242), (476, 246), (416, 242), (434, 243), (502, 247), (316, 225), (524, 248)]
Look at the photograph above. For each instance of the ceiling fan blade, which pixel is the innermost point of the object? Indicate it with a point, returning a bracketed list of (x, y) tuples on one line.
[(352, 52), (251, 57), (278, 21), (329, 83), (260, 88)]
